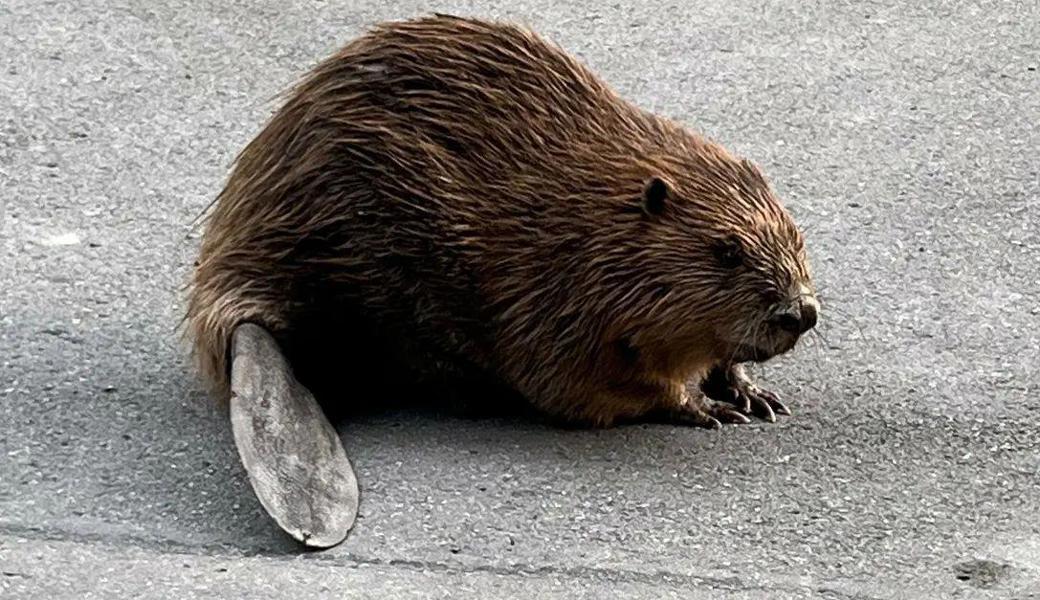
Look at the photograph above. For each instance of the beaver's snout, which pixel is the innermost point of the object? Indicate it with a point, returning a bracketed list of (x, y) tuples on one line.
[(797, 316)]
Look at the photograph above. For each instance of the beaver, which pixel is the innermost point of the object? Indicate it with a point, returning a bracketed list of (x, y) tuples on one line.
[(454, 197)]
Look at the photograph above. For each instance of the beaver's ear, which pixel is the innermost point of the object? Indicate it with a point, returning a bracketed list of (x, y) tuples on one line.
[(656, 194)]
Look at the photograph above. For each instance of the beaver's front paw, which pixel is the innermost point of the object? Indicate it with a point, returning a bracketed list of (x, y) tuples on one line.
[(698, 410), (732, 385)]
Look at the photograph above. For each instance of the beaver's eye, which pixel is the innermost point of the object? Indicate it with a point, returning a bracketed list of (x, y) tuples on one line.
[(729, 254)]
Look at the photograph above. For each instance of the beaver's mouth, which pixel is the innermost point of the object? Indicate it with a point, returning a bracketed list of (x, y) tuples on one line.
[(749, 353), (752, 352)]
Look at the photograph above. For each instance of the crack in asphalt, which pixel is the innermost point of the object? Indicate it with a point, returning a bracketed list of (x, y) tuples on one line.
[(657, 577)]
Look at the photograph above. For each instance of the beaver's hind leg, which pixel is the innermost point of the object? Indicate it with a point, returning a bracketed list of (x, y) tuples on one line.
[(731, 384), (293, 455)]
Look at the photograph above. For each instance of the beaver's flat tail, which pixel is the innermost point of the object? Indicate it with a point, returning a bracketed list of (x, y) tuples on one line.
[(292, 453)]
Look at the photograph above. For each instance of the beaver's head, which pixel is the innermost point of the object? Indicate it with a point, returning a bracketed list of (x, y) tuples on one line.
[(730, 262)]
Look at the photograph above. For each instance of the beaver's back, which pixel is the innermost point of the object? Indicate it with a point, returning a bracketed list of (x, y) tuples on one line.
[(450, 184)]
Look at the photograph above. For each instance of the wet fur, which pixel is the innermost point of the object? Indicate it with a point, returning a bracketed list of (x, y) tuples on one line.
[(448, 197)]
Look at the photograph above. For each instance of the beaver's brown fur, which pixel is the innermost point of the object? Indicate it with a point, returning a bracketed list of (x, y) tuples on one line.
[(453, 193)]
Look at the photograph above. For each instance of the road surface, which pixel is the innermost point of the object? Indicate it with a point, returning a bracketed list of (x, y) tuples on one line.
[(903, 136)]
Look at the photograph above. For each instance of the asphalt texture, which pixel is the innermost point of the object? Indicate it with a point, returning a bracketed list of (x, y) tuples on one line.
[(903, 136)]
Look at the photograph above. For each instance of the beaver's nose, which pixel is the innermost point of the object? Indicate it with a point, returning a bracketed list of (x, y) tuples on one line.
[(800, 316), (810, 312)]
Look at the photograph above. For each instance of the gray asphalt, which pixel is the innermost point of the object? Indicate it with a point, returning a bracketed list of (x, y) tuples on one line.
[(903, 136)]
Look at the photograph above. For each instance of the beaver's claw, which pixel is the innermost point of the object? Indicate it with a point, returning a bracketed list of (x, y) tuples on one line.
[(732, 385)]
